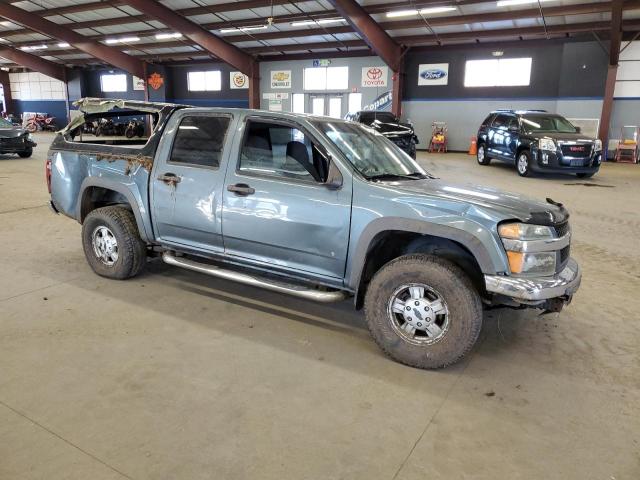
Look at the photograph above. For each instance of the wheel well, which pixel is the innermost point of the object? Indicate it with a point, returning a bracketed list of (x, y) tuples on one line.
[(520, 149), (96, 197), (388, 245)]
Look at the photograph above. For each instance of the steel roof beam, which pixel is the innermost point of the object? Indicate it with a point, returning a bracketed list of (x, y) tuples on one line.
[(202, 37), (110, 55), (371, 32), (34, 62)]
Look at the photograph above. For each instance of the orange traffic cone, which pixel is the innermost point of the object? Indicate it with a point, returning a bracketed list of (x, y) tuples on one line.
[(473, 148)]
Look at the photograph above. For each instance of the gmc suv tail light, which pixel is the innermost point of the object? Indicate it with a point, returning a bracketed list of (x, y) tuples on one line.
[(47, 174)]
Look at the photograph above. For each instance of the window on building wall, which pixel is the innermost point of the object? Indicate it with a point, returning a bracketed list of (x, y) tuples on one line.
[(326, 78), (209, 81), (110, 82), (355, 102), (500, 72), (297, 103)]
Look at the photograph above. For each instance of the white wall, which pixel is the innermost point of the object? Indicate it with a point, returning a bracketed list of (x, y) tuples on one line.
[(35, 86)]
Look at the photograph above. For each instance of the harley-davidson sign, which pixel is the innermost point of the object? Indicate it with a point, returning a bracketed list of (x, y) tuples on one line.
[(155, 80), (375, 76)]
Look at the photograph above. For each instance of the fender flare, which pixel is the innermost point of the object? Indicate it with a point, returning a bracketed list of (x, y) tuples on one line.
[(143, 229), (464, 238)]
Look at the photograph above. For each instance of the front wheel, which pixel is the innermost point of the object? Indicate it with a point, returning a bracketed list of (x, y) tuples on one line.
[(481, 155), (423, 311), (523, 163), (26, 153), (32, 127), (112, 244)]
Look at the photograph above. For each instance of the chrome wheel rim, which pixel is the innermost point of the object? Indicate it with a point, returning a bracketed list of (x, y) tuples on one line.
[(418, 314), (105, 245), (481, 154), (523, 163)]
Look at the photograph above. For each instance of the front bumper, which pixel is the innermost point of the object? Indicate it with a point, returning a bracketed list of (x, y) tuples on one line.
[(537, 289), (556, 162)]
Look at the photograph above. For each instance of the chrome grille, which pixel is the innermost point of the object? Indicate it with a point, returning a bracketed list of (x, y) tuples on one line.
[(562, 229)]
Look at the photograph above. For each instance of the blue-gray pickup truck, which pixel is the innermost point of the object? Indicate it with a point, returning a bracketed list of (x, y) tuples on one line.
[(314, 207)]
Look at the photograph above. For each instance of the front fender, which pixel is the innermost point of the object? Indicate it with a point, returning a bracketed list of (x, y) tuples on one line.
[(489, 264)]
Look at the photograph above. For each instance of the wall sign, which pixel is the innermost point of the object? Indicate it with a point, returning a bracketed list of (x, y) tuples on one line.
[(138, 83), (238, 80), (280, 78), (275, 105), (433, 74), (155, 80), (275, 96), (375, 76), (322, 63), (382, 102)]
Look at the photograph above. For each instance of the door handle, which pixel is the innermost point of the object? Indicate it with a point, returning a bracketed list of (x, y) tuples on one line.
[(241, 189), (169, 178)]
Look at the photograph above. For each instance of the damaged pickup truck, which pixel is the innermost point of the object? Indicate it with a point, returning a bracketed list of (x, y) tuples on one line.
[(313, 207)]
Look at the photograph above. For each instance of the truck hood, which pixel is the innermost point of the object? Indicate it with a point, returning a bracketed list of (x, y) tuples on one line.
[(509, 205), (392, 130), (12, 132)]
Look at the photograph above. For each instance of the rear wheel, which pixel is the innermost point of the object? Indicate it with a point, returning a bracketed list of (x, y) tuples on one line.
[(112, 244), (32, 127), (523, 163), (423, 311), (26, 153), (481, 155)]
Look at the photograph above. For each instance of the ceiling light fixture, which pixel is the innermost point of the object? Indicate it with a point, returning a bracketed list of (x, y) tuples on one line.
[(167, 36), (29, 48), (511, 3), (244, 29), (63, 45), (111, 41), (424, 11), (325, 21), (497, 53)]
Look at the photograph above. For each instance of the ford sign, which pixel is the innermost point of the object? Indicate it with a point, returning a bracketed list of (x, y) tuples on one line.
[(434, 74)]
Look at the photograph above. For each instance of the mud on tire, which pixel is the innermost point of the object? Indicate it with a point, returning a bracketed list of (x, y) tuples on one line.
[(450, 282)]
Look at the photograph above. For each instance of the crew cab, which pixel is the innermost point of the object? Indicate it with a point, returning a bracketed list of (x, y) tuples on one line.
[(313, 207), (537, 141)]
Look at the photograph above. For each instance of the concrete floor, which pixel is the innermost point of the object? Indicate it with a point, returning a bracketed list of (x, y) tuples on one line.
[(174, 375)]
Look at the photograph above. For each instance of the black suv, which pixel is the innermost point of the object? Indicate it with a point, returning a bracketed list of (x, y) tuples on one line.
[(537, 141), (402, 134)]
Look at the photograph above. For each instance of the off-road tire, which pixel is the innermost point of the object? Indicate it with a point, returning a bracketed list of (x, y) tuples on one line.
[(132, 252), (26, 153), (486, 160), (463, 302)]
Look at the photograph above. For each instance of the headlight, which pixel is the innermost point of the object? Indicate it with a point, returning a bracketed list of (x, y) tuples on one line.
[(525, 231), (29, 137), (541, 263), (514, 237), (597, 146), (547, 144)]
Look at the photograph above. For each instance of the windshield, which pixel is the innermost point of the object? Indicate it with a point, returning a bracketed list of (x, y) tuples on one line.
[(546, 123), (371, 153), (384, 117), (4, 123)]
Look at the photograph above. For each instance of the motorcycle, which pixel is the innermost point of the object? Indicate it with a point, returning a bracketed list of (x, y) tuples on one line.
[(41, 122), (106, 127), (134, 128)]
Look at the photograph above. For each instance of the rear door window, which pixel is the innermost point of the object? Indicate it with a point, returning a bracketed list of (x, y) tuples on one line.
[(199, 141)]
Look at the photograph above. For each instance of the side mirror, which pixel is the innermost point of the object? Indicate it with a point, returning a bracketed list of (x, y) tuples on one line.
[(578, 130), (334, 177)]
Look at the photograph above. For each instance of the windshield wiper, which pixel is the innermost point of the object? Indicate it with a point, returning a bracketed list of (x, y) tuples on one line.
[(397, 176)]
